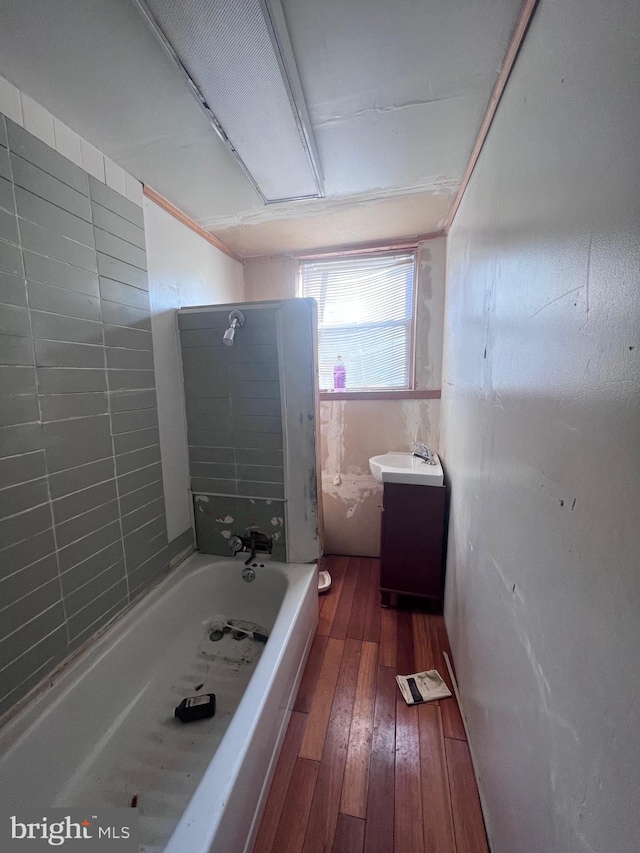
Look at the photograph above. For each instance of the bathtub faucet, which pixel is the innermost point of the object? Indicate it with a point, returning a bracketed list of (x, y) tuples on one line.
[(255, 541)]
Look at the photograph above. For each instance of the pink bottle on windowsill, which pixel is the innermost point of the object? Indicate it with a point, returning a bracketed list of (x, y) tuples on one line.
[(339, 375)]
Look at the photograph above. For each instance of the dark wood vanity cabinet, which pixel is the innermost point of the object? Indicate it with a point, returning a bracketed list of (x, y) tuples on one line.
[(412, 541)]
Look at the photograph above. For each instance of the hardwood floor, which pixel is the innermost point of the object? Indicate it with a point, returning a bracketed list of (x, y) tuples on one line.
[(360, 771)]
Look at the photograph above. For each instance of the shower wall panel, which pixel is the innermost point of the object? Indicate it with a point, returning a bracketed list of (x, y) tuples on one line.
[(82, 522), (245, 454)]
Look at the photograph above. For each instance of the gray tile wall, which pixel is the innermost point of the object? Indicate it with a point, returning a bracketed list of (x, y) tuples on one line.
[(233, 407), (82, 520)]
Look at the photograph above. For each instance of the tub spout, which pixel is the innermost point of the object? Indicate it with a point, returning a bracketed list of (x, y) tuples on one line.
[(254, 542), (258, 542)]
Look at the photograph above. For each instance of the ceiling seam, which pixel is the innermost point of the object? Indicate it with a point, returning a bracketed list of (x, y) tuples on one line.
[(398, 243)]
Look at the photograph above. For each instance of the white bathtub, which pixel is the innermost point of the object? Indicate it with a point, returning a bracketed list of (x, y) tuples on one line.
[(104, 732)]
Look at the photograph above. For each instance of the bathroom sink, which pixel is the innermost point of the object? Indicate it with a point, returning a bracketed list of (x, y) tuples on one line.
[(404, 467)]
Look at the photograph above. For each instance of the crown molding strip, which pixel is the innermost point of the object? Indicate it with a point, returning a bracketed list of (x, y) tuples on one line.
[(162, 202), (522, 25), (364, 248)]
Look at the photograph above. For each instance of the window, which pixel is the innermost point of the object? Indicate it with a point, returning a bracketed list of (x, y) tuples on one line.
[(365, 315)]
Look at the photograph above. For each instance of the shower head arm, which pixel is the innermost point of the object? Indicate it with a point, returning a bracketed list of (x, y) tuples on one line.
[(236, 320)]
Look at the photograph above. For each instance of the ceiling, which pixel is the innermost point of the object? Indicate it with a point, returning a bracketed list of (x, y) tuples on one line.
[(395, 92)]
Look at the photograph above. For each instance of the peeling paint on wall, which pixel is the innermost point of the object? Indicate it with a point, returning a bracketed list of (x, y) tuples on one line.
[(213, 522), (351, 431), (430, 313)]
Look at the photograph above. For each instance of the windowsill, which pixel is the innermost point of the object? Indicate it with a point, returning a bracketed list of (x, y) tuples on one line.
[(402, 394)]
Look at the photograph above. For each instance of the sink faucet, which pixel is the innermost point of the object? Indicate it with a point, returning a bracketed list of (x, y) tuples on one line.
[(423, 453)]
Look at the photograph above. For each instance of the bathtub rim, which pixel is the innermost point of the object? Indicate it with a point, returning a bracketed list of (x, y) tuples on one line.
[(53, 685), (191, 822)]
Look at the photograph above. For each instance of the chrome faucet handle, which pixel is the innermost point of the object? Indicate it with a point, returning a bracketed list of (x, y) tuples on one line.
[(422, 446), (425, 453), (235, 545)]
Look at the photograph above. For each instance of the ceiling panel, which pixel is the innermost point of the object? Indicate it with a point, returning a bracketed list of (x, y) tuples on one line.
[(395, 91), (96, 65), (251, 100)]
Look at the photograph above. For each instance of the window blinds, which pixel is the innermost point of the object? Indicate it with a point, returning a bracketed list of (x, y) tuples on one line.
[(365, 311)]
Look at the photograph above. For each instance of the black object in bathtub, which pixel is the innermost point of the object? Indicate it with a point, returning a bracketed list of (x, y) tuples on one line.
[(196, 708)]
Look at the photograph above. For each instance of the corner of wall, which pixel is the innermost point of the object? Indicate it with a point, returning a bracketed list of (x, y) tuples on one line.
[(269, 277)]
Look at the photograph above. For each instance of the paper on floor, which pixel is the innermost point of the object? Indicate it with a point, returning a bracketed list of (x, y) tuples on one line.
[(422, 687)]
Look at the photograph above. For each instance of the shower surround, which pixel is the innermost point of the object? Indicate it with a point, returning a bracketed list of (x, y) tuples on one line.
[(82, 518), (251, 415)]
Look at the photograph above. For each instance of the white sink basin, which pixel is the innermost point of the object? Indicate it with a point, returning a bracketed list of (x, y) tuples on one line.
[(404, 467)]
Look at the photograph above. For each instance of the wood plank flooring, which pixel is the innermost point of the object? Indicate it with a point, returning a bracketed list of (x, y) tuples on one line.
[(360, 771)]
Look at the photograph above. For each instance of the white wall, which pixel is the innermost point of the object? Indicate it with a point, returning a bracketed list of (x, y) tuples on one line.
[(541, 440), (184, 270)]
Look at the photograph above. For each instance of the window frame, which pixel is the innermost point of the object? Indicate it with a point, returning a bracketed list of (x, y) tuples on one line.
[(410, 392)]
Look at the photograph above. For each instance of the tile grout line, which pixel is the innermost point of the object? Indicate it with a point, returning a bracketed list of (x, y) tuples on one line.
[(32, 221), (29, 565), (38, 396), (35, 589), (104, 592), (20, 627), (46, 667), (109, 413), (106, 230)]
